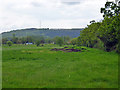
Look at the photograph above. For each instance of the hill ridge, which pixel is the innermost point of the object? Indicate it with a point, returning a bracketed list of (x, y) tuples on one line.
[(47, 32)]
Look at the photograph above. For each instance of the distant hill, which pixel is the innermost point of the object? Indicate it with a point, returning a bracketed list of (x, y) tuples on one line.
[(75, 32)]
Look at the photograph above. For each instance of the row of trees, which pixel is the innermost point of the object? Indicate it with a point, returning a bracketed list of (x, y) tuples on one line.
[(105, 34), (36, 40)]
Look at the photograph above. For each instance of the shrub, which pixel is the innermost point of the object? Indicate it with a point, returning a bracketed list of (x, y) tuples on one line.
[(59, 41), (9, 43)]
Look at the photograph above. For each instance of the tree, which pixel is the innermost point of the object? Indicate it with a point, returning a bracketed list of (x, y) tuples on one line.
[(109, 32), (105, 34), (38, 43), (55, 39), (29, 39), (88, 36), (79, 41), (4, 40), (110, 10), (19, 41), (93, 21), (42, 41), (14, 39), (74, 41), (59, 41), (66, 39), (9, 43), (48, 40), (23, 40)]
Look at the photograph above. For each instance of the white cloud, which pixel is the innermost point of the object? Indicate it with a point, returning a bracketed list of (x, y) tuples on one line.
[(15, 14)]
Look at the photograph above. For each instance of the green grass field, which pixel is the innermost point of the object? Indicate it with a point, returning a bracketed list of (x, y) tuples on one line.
[(38, 67)]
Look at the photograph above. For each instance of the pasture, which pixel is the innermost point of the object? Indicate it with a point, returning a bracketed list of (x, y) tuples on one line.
[(38, 67)]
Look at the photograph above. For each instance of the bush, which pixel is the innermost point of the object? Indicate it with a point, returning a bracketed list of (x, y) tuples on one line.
[(9, 43), (59, 41), (74, 41)]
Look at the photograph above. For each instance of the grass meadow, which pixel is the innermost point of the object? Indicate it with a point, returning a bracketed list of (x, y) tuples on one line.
[(29, 66)]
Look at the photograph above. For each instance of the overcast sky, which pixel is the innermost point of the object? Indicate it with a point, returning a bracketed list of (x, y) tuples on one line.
[(17, 14)]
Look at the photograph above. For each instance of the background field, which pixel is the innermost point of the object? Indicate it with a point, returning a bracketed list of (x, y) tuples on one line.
[(38, 67)]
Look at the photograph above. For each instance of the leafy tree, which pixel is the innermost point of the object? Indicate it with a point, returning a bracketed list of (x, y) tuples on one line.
[(66, 39), (14, 39), (109, 31), (19, 41), (29, 39), (55, 39), (105, 34), (38, 43), (110, 10), (9, 43), (4, 40), (88, 36), (48, 40), (42, 41), (59, 41), (74, 41), (79, 43), (23, 40)]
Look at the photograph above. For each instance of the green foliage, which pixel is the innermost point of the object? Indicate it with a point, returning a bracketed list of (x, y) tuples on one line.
[(41, 40), (4, 40), (48, 40), (104, 35), (9, 43), (74, 41), (79, 41), (35, 39), (110, 10), (99, 45), (55, 39), (88, 36), (66, 39), (29, 39), (37, 43), (59, 41), (51, 33), (109, 31), (14, 39)]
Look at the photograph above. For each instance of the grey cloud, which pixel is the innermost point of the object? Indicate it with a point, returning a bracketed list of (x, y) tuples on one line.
[(35, 4), (71, 3)]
